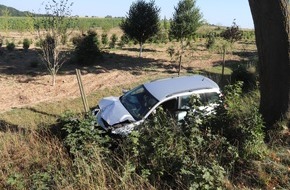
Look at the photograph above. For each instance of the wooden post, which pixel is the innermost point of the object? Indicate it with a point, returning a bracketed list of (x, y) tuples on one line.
[(81, 87)]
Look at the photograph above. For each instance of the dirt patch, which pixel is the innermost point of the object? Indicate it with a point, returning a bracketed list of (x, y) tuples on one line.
[(24, 80)]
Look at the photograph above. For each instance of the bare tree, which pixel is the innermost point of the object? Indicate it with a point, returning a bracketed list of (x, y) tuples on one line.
[(53, 30)]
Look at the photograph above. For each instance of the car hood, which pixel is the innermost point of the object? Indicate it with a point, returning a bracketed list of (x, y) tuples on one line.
[(113, 111)]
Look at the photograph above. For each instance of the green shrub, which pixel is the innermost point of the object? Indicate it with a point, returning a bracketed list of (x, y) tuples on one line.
[(10, 46), (87, 49), (180, 156), (247, 76), (243, 124), (80, 134), (26, 43), (124, 40), (114, 39), (105, 39), (210, 40)]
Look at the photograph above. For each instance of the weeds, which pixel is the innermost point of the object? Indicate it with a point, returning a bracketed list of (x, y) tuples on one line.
[(225, 150)]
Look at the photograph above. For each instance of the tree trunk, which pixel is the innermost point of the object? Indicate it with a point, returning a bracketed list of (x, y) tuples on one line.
[(223, 64), (179, 66), (271, 21)]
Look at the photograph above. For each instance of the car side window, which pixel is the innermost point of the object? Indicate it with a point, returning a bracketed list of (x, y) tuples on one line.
[(184, 101), (205, 99), (212, 97), (170, 105)]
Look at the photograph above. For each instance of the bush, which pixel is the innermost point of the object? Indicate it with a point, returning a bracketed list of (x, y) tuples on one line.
[(26, 43), (247, 76), (114, 40), (180, 156), (80, 134), (210, 40), (243, 124), (105, 39), (87, 49), (124, 40), (10, 46)]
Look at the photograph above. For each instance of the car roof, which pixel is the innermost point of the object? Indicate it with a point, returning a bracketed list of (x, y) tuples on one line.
[(167, 87)]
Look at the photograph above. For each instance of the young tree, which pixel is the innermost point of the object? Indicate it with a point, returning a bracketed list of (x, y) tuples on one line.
[(271, 21), (186, 20), (52, 30), (231, 35), (142, 22)]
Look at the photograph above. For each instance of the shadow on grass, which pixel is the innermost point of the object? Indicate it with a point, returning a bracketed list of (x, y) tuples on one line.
[(8, 127)]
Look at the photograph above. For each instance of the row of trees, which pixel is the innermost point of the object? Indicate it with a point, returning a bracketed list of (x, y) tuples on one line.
[(271, 21)]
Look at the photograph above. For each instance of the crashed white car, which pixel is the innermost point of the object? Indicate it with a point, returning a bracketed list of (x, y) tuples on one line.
[(120, 115)]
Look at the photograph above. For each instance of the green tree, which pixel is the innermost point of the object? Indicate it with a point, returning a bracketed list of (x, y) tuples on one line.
[(231, 34), (187, 18), (271, 21), (142, 22), (52, 30), (87, 49)]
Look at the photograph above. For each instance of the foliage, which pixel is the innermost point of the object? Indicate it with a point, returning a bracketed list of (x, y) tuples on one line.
[(243, 124), (160, 37), (210, 41), (87, 49), (124, 40), (81, 135), (182, 156), (114, 39), (233, 33), (142, 22), (186, 20), (247, 75), (104, 39), (10, 46), (26, 43)]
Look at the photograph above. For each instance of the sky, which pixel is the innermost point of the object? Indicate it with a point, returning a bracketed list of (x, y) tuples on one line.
[(219, 12)]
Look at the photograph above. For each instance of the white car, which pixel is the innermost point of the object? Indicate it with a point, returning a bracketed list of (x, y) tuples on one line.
[(120, 115)]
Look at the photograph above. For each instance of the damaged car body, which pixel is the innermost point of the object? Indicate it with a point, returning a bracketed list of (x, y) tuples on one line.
[(120, 115)]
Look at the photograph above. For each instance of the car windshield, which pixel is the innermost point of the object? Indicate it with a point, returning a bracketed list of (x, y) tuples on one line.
[(138, 102)]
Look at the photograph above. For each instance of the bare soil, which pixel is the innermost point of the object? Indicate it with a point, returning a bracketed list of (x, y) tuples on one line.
[(23, 84)]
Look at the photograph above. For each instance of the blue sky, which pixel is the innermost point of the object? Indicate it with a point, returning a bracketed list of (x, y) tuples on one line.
[(221, 12)]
